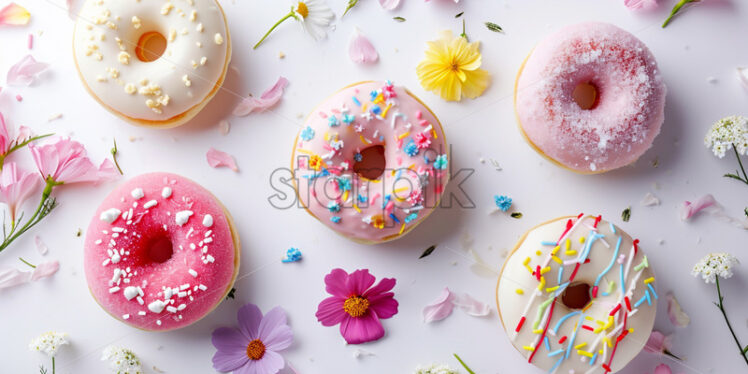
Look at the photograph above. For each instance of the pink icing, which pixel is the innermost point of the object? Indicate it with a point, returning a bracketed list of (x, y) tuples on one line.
[(631, 97), (410, 187), (199, 273)]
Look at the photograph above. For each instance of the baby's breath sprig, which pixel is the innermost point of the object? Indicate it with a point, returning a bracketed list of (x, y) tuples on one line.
[(711, 268), (730, 133), (48, 343)]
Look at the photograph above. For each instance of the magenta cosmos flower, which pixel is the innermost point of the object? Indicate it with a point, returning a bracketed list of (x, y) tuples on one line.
[(253, 347), (356, 305)]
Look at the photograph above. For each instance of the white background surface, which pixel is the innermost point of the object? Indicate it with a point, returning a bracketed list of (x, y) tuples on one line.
[(706, 41)]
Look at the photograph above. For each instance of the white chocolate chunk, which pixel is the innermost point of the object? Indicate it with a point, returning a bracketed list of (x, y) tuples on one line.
[(182, 217), (110, 215)]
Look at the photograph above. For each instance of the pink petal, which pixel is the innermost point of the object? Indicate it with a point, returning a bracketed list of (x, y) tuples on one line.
[(655, 343), (275, 318), (362, 330), (16, 185), (472, 306), (23, 72), (335, 283), (14, 15), (743, 76), (249, 317), (270, 363), (640, 4), (231, 346), (330, 311), (71, 8), (44, 270), (383, 286), (361, 51), (40, 245), (689, 209), (107, 171), (13, 277), (389, 4), (24, 133), (440, 308), (217, 159), (359, 281), (384, 305), (264, 102), (677, 316), (663, 369), (4, 136)]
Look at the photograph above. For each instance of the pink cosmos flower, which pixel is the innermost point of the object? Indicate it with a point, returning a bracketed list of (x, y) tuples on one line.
[(16, 185), (356, 305), (65, 161), (253, 347)]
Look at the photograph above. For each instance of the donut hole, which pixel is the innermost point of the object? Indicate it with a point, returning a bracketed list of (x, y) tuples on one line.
[(585, 95), (150, 47), (576, 295), (159, 249), (372, 162)]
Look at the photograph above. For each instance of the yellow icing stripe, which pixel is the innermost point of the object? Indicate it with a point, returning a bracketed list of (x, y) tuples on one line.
[(404, 135), (649, 280), (584, 353), (519, 291)]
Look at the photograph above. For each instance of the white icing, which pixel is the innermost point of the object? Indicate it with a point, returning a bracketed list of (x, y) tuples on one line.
[(110, 215), (105, 40), (208, 220), (166, 192), (156, 306), (182, 217), (137, 193)]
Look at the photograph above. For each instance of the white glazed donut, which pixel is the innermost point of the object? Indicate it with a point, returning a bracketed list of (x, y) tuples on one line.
[(577, 295), (152, 62)]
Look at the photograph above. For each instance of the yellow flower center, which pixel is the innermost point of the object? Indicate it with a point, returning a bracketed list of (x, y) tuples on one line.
[(302, 9), (255, 349), (356, 306)]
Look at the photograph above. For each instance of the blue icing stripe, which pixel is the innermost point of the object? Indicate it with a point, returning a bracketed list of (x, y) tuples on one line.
[(623, 284), (612, 262), (556, 365), (560, 273), (649, 285), (552, 244), (563, 319), (592, 360), (574, 336), (556, 353), (547, 343), (612, 228)]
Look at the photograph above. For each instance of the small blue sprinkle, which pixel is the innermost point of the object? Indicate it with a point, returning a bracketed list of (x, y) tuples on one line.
[(394, 218), (411, 217), (503, 202), (358, 157), (307, 134), (410, 148), (335, 219), (362, 198), (376, 109), (441, 162), (333, 206), (355, 100), (344, 184), (348, 118), (292, 255), (332, 121), (373, 95)]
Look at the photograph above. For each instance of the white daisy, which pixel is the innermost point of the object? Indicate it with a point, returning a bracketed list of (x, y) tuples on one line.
[(49, 342), (715, 265), (315, 16), (122, 360)]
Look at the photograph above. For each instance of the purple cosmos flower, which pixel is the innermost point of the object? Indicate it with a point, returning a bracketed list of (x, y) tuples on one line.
[(356, 305), (253, 347)]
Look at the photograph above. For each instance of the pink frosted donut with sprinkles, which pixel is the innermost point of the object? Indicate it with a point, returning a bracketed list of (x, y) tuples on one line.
[(371, 162), (161, 252), (590, 98), (577, 295)]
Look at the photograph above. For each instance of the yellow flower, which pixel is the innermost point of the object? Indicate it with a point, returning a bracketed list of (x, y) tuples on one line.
[(452, 68)]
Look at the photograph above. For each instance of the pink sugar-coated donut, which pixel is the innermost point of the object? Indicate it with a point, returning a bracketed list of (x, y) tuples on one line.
[(630, 98), (129, 269), (364, 119)]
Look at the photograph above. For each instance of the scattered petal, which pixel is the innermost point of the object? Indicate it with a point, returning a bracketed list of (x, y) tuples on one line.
[(640, 4), (45, 270), (743, 76), (360, 353), (361, 51), (23, 72), (677, 316), (472, 306), (689, 209), (440, 308), (107, 171), (389, 4), (482, 268), (266, 100), (224, 127), (41, 246), (657, 343), (217, 159), (650, 200), (14, 15), (663, 369)]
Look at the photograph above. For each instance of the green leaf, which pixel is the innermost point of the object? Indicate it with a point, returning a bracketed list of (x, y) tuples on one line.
[(494, 27), (399, 19), (745, 211), (428, 251), (626, 214), (231, 293), (745, 349), (516, 215), (351, 4), (458, 15)]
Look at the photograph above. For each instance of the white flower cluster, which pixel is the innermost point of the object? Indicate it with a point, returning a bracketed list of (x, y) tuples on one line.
[(726, 133), (122, 360), (714, 265), (49, 342), (435, 369)]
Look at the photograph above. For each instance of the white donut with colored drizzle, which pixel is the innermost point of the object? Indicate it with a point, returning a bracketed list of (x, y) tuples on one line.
[(152, 62), (577, 295)]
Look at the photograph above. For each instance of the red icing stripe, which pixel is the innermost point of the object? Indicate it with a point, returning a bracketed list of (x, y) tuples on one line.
[(636, 246), (537, 273), (597, 220), (562, 340), (588, 328), (628, 303), (574, 273), (545, 330), (615, 310), (519, 325)]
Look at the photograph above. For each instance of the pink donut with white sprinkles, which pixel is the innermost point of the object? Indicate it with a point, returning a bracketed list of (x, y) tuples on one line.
[(590, 98), (371, 162), (161, 252)]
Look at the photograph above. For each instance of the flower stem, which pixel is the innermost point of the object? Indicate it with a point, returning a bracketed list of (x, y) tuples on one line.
[(737, 155), (675, 10), (721, 307), (53, 365), (463, 363), (287, 16), (14, 146), (27, 263), (114, 157), (46, 204)]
